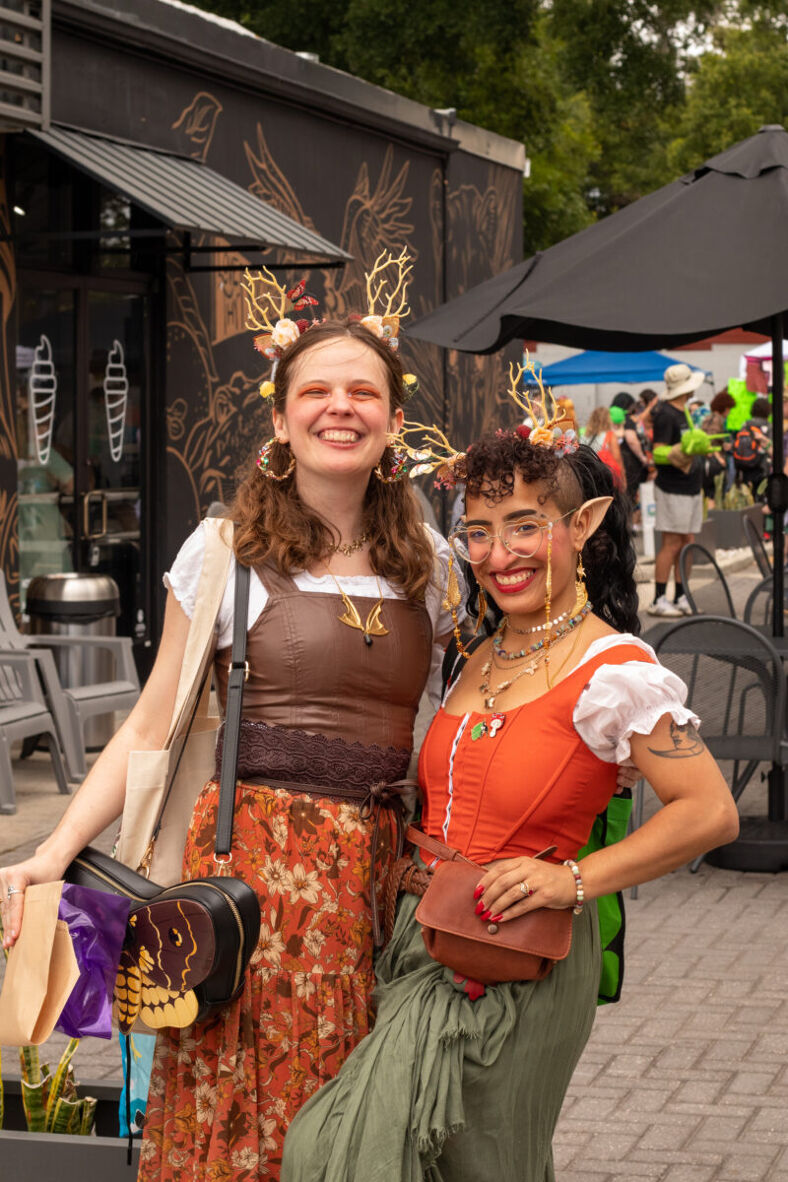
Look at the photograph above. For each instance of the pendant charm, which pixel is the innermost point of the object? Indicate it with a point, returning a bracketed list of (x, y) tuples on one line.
[(489, 703), (496, 722), (478, 731)]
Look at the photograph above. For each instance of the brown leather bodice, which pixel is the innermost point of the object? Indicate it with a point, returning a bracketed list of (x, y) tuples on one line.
[(309, 672)]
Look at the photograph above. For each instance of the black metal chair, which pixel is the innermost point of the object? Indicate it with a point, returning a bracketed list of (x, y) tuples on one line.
[(736, 685), (706, 596), (753, 532), (758, 608)]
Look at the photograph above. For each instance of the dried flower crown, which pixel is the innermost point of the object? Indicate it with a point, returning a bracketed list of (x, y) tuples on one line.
[(550, 426), (267, 303)]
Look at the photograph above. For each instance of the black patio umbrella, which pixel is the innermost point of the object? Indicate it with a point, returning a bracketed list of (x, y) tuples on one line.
[(705, 253)]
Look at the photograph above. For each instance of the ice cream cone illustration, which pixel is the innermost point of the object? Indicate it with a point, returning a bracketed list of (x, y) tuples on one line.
[(42, 391), (116, 396)]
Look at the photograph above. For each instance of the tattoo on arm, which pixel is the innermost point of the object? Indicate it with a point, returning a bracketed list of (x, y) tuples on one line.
[(686, 742)]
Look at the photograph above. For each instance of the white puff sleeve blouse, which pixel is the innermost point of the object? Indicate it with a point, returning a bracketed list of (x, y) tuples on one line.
[(622, 700)]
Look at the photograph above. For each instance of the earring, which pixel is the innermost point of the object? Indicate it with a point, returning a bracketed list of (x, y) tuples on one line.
[(451, 603), (482, 611), (581, 591), (264, 461), (548, 593), (396, 466)]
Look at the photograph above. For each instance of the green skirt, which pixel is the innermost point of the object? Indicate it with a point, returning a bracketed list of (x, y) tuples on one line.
[(446, 1089)]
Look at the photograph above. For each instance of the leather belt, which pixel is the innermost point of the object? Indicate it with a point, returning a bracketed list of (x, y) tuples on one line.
[(371, 800)]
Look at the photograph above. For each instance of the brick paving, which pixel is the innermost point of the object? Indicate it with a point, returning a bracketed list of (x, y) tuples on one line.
[(685, 1079)]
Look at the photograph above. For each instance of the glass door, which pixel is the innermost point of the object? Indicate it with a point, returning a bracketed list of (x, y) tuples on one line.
[(46, 383), (82, 369), (109, 507)]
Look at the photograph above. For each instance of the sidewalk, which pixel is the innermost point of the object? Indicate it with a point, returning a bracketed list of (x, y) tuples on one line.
[(687, 1077)]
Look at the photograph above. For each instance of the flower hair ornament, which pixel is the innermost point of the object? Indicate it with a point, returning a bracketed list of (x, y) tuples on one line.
[(267, 303)]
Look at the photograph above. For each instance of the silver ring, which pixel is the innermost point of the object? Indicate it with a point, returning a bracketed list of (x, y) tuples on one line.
[(12, 890), (524, 887)]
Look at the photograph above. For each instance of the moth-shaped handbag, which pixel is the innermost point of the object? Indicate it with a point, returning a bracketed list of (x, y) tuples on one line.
[(187, 945)]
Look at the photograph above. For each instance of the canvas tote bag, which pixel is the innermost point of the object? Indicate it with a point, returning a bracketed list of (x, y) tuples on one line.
[(153, 836)]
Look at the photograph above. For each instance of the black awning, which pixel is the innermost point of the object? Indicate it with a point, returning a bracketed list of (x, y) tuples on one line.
[(186, 195)]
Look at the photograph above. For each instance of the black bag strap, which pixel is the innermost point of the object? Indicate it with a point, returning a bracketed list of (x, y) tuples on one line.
[(239, 671)]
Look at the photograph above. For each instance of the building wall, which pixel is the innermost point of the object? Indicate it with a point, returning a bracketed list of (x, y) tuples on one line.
[(358, 188), (9, 534)]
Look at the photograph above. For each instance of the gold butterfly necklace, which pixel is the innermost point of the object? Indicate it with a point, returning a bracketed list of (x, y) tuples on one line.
[(350, 616)]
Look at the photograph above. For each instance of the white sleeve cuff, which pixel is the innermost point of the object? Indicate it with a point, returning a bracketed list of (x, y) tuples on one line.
[(622, 700)]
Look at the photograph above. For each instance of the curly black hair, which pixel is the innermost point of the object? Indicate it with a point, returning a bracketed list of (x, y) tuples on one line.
[(569, 480)]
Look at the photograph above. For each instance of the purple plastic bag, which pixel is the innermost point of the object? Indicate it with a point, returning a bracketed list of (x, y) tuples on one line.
[(97, 926)]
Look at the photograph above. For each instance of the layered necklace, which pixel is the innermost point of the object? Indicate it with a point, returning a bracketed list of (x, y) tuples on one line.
[(534, 651)]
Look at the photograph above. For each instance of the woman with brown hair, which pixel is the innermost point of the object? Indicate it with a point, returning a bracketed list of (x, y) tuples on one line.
[(344, 627)]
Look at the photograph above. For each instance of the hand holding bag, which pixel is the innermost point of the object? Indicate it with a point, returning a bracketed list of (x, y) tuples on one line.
[(522, 949)]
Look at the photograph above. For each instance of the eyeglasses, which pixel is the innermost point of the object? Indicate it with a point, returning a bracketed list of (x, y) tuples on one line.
[(522, 537)]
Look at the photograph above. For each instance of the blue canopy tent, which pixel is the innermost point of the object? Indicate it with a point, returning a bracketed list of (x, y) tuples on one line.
[(593, 367)]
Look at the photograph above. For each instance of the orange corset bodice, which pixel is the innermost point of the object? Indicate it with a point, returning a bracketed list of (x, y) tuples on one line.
[(533, 784)]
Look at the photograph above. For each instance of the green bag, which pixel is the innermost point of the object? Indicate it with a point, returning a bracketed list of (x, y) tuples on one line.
[(609, 827)]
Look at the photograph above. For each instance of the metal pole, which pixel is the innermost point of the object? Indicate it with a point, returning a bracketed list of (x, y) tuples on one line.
[(776, 500)]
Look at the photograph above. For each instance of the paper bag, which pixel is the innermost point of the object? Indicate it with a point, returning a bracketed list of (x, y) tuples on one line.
[(40, 973)]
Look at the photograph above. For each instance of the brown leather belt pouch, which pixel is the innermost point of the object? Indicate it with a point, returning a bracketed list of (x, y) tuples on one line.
[(522, 949)]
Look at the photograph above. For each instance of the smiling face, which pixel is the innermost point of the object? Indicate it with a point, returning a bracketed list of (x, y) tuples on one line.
[(519, 584), (338, 410)]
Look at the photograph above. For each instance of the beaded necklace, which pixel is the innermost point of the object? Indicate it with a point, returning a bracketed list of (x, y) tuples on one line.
[(538, 627), (489, 694), (528, 651)]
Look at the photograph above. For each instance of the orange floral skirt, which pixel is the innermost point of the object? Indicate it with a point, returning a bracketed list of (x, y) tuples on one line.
[(224, 1091)]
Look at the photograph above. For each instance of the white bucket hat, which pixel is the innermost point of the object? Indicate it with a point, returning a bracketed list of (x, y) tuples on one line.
[(680, 379)]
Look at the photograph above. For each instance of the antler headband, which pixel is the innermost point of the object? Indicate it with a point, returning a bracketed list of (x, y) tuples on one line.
[(550, 427), (267, 303)]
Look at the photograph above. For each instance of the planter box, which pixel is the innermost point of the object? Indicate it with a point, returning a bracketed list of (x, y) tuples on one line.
[(728, 527), (50, 1157)]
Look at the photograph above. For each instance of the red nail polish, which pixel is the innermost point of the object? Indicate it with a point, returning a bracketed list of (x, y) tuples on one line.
[(486, 913), (479, 907), (477, 894), (497, 918)]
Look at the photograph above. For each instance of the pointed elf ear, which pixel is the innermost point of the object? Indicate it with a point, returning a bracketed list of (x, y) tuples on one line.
[(591, 514)]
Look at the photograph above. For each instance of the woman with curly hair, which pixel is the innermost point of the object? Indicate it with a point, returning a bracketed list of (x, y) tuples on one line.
[(462, 1082), (345, 626)]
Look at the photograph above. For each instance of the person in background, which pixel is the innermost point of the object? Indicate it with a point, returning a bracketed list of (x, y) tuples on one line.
[(601, 438), (714, 424), (698, 411), (632, 451), (752, 446), (679, 499)]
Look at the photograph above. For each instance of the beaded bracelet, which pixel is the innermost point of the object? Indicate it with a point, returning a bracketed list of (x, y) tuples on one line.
[(580, 893)]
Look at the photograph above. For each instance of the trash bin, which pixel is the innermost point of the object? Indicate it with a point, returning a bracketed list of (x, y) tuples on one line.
[(78, 605)]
